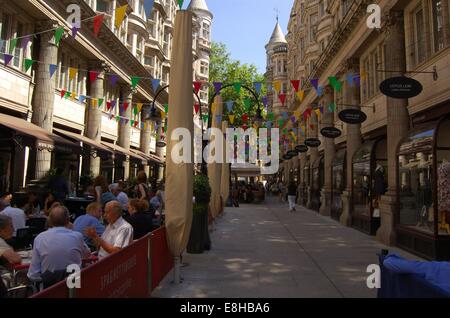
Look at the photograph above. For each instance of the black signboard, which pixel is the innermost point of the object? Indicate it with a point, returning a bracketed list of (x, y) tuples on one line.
[(401, 87), (301, 148), (287, 157), (312, 142), (161, 144), (292, 153), (352, 116), (331, 132)]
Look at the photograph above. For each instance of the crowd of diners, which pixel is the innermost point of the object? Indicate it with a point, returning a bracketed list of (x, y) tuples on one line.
[(116, 217)]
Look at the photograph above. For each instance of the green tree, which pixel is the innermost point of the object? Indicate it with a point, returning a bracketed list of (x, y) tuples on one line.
[(228, 71)]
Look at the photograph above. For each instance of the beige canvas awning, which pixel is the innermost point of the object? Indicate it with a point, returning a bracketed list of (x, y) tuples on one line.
[(26, 128), (83, 139), (123, 151), (157, 159)]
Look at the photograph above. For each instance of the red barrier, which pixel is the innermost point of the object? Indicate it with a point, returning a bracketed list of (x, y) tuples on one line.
[(121, 275), (161, 258), (57, 291)]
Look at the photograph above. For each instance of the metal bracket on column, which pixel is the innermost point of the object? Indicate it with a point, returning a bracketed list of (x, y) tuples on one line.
[(434, 72)]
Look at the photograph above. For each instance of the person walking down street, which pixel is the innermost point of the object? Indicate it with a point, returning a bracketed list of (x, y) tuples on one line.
[(292, 196), (281, 191)]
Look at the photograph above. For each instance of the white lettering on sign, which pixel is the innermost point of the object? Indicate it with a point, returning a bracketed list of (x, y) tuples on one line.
[(374, 20)]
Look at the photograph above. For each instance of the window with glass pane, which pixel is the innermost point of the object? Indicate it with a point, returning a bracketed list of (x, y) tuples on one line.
[(18, 49), (102, 6), (419, 36), (438, 25), (4, 26)]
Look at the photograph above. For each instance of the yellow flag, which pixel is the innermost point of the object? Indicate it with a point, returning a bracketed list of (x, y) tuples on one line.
[(72, 72), (163, 115), (213, 108), (277, 86), (301, 95), (231, 117), (73, 96), (363, 75), (94, 102), (139, 107), (120, 15), (317, 113)]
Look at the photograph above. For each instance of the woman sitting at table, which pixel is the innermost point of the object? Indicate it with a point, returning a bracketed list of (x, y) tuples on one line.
[(6, 231), (141, 217), (50, 203)]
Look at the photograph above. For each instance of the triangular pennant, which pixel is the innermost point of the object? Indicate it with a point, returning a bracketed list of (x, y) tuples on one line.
[(301, 95), (280, 122), (98, 21), (349, 78), (285, 115), (25, 41), (132, 123), (12, 45), (197, 86), (258, 87), (282, 98), (74, 32), (58, 35), (81, 98), (205, 118), (237, 87), (93, 76), (338, 86), (72, 73), (277, 86), (94, 103), (125, 106), (180, 3), (135, 81), (52, 69), (117, 118), (135, 111), (296, 85), (68, 94), (315, 83), (269, 124), (244, 118), (113, 104), (218, 118), (100, 102), (317, 111), (321, 109), (197, 108), (113, 78), (120, 15), (63, 93), (217, 87), (28, 64), (155, 84), (73, 96), (231, 118), (108, 105), (332, 107), (139, 107), (319, 91), (357, 80), (332, 80), (230, 105), (293, 119), (270, 116), (166, 108), (213, 108), (7, 58), (363, 75), (265, 101), (247, 104)]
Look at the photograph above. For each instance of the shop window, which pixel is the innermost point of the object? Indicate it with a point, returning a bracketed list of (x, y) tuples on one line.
[(339, 183)]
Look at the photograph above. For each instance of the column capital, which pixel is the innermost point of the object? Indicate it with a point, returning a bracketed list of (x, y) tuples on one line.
[(99, 66), (349, 65), (393, 20), (45, 25)]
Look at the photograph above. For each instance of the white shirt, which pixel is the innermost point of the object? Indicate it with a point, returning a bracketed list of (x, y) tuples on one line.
[(4, 247), (18, 218), (119, 234)]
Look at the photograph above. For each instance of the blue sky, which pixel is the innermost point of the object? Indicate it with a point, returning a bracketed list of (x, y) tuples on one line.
[(245, 26)]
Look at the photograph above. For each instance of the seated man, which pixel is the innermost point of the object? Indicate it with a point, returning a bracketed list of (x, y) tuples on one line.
[(6, 252), (90, 219), (57, 248), (141, 217), (17, 215), (118, 234)]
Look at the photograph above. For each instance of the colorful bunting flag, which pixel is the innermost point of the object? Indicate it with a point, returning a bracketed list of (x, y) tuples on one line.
[(301, 95), (120, 15), (357, 80), (139, 107), (12, 45), (28, 64), (93, 76), (7, 58), (317, 111), (315, 83), (247, 104), (166, 108), (113, 78), (338, 86), (63, 93), (269, 124), (296, 85), (197, 86), (58, 35), (285, 115), (332, 108), (270, 116), (81, 98), (217, 87), (332, 80), (230, 105), (363, 75), (244, 118), (180, 3), (231, 117), (68, 94), (155, 84), (205, 118), (277, 86), (163, 115), (72, 73), (25, 41), (320, 91), (349, 78), (293, 119), (280, 122), (265, 101), (258, 87), (98, 21), (52, 69), (135, 81), (237, 87), (218, 118), (74, 32), (282, 98), (197, 108), (100, 102), (213, 108)]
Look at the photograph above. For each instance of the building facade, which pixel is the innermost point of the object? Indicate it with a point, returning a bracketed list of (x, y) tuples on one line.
[(384, 176), (83, 114)]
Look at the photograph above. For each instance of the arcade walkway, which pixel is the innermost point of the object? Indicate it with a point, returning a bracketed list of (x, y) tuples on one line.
[(265, 251)]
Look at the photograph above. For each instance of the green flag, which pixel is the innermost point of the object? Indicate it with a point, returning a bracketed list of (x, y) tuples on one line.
[(280, 122), (270, 116), (135, 81), (100, 102), (332, 107), (58, 35), (135, 110), (237, 87), (180, 3), (285, 131), (67, 95), (12, 45), (166, 108), (338, 86), (28, 64), (117, 118), (205, 118), (132, 123), (333, 80), (247, 104)]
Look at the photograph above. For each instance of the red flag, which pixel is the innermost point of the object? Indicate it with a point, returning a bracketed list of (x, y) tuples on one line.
[(244, 127), (197, 86), (244, 118), (307, 114), (98, 21), (296, 84), (108, 105), (93, 76), (125, 107), (311, 126), (63, 93), (136, 123), (282, 98), (197, 108)]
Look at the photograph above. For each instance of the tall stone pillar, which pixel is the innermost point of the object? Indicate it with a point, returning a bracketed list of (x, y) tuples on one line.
[(44, 93), (446, 22), (327, 121), (397, 124), (160, 150), (215, 169), (313, 155), (94, 115), (351, 96), (125, 129), (146, 138)]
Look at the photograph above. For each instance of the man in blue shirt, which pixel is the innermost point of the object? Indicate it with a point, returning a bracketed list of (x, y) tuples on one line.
[(57, 248), (89, 220)]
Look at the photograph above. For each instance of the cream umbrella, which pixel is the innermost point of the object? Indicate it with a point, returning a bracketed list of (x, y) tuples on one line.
[(225, 179), (215, 169), (179, 176)]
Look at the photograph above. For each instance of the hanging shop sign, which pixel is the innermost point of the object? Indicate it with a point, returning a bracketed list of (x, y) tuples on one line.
[(161, 144), (401, 87), (287, 157), (301, 148), (292, 153), (331, 132), (352, 116), (312, 142)]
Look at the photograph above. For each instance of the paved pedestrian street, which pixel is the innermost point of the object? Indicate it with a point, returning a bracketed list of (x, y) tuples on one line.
[(265, 251)]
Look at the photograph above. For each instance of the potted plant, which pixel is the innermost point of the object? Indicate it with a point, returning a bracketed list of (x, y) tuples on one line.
[(199, 236)]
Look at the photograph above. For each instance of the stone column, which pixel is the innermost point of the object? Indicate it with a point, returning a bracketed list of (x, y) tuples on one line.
[(397, 124), (160, 150), (351, 96), (146, 138), (44, 93), (313, 154), (125, 128), (446, 22), (94, 115), (327, 121)]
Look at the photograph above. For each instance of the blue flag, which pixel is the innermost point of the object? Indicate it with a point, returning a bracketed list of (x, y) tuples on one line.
[(230, 105), (155, 84), (53, 68), (258, 87)]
